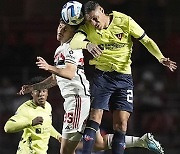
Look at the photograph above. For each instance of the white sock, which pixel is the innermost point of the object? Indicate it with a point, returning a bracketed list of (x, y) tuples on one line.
[(131, 141)]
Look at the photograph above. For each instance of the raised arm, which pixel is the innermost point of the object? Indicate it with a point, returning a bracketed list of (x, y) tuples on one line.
[(137, 32), (79, 42), (45, 84), (67, 72)]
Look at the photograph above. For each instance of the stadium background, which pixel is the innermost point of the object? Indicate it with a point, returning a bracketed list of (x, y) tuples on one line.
[(28, 29)]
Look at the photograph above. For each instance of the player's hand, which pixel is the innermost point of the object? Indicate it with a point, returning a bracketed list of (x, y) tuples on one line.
[(37, 120), (170, 64), (42, 64), (25, 89), (94, 49)]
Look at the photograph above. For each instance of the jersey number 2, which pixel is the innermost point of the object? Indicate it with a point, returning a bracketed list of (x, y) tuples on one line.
[(130, 96)]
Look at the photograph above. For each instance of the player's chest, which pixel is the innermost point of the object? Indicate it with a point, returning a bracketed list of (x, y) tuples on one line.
[(45, 114), (110, 35)]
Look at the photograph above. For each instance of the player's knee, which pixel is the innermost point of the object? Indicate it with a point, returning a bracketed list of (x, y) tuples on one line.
[(120, 126), (96, 115)]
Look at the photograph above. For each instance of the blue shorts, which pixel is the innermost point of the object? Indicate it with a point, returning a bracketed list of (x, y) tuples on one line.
[(112, 90)]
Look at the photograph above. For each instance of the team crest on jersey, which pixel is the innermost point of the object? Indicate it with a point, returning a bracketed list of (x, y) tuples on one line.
[(119, 36)]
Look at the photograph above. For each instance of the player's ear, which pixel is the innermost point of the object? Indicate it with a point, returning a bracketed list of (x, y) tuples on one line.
[(101, 9)]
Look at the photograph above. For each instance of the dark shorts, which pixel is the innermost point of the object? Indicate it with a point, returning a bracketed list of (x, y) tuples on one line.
[(112, 90)]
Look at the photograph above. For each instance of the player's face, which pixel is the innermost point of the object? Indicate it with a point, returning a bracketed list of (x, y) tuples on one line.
[(39, 97), (97, 18), (64, 32)]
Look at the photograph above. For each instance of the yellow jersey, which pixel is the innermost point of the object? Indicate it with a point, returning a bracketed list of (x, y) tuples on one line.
[(34, 139), (116, 43)]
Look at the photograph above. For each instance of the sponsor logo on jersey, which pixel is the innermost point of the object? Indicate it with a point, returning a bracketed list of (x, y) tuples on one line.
[(70, 56), (112, 46)]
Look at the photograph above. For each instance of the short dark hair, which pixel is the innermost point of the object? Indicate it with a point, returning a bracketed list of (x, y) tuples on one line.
[(61, 20), (90, 6)]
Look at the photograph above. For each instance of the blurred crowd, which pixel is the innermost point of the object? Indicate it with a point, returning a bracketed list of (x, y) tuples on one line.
[(28, 30)]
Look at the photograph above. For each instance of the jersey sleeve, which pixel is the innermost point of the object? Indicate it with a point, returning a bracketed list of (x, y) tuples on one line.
[(55, 133), (17, 122), (135, 30), (73, 56), (78, 41), (152, 47)]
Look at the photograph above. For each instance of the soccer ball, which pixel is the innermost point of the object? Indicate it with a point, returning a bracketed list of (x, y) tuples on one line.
[(71, 13)]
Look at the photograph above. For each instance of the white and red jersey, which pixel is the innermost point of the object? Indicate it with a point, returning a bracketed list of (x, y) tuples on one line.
[(79, 85), (75, 92)]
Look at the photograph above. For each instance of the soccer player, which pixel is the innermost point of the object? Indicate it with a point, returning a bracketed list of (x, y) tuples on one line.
[(70, 78), (68, 74), (35, 119), (112, 82)]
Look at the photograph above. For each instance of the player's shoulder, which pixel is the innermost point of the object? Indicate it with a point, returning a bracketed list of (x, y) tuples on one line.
[(119, 14), (86, 27), (59, 49), (26, 104), (72, 51), (24, 107), (120, 19)]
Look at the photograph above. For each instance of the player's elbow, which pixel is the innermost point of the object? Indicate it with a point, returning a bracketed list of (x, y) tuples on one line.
[(146, 40), (7, 128)]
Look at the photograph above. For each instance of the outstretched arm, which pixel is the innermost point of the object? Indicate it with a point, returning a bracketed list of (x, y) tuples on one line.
[(79, 42), (68, 72), (137, 32), (155, 51), (45, 84)]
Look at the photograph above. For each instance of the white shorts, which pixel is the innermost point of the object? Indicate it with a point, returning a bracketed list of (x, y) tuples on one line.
[(76, 113), (77, 136)]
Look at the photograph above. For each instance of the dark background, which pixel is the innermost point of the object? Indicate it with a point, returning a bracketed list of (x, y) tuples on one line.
[(28, 29)]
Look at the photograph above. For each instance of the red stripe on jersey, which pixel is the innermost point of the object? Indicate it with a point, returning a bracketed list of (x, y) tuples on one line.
[(77, 111)]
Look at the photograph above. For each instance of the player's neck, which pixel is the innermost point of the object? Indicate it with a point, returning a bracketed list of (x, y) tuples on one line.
[(109, 19), (66, 41)]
